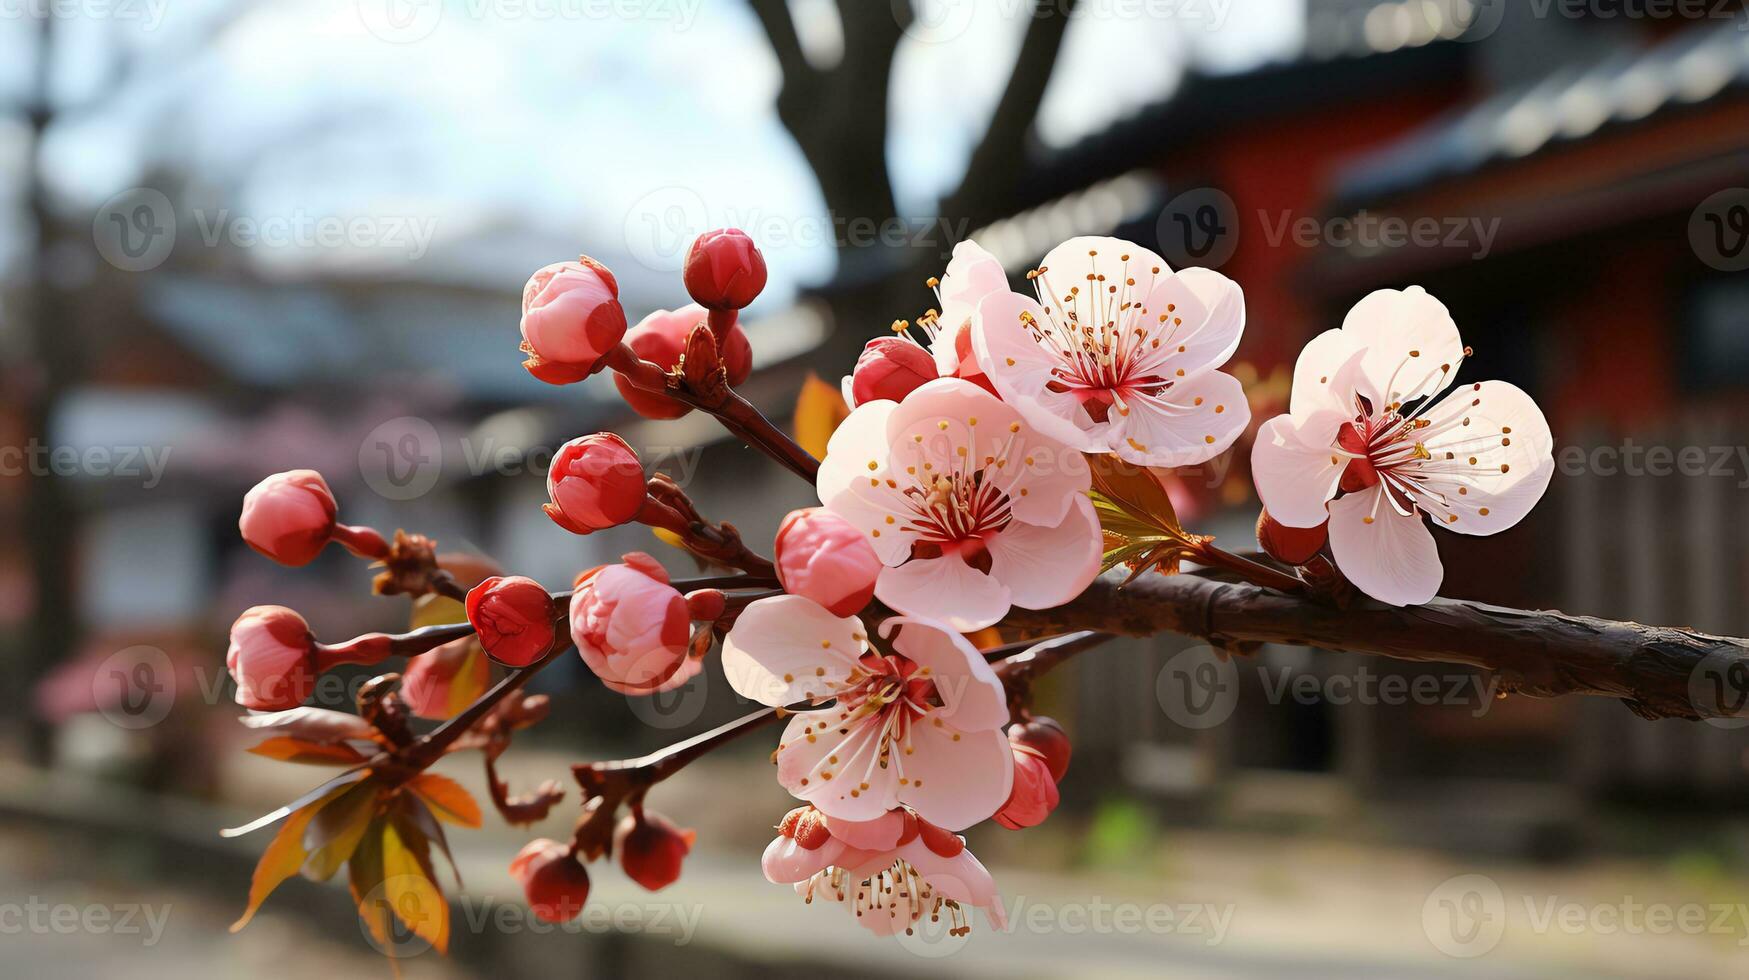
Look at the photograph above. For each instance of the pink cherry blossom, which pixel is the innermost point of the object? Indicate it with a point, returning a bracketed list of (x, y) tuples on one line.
[(971, 275), (917, 719), (1119, 353), (970, 508), (890, 871), (1366, 420)]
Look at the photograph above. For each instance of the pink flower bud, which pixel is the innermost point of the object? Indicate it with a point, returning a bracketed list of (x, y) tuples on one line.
[(1044, 736), (289, 517), (555, 883), (428, 681), (1035, 793), (660, 338), (824, 557), (272, 658), (571, 318), (651, 848), (724, 270), (890, 368), (514, 617), (631, 626), (595, 482)]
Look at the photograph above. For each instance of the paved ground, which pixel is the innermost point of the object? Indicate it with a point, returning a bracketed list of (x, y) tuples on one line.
[(1215, 906)]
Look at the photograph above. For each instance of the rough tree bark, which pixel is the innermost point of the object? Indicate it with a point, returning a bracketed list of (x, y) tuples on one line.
[(1657, 671)]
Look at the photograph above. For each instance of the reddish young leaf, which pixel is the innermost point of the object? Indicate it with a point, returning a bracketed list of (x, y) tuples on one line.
[(447, 799), (285, 748)]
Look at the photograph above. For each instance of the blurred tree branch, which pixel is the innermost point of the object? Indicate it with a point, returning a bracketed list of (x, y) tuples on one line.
[(839, 114), (1656, 670)]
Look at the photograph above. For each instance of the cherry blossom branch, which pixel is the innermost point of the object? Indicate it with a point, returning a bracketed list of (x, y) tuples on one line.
[(1537, 653), (706, 388)]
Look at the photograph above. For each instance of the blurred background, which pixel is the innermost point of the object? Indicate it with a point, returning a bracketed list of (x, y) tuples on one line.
[(241, 236)]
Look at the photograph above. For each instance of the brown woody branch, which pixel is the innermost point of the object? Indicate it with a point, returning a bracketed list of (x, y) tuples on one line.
[(1658, 671)]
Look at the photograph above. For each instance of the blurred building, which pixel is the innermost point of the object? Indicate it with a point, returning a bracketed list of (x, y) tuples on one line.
[(1555, 179)]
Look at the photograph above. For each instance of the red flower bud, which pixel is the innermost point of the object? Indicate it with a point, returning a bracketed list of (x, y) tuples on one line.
[(1044, 736), (651, 848), (1289, 545), (272, 658), (514, 618), (824, 557), (890, 368), (1035, 793), (724, 270), (595, 482), (289, 517), (571, 318), (660, 338), (555, 883)]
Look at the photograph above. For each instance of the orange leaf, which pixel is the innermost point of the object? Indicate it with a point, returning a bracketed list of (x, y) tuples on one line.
[(284, 856), (819, 409), (285, 748), (986, 638), (447, 799)]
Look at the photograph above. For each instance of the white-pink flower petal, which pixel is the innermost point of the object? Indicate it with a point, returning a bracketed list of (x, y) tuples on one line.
[(1388, 555)]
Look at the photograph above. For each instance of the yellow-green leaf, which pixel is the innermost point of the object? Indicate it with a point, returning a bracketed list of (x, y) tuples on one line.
[(1135, 491), (409, 888), (364, 877), (447, 799), (283, 857), (436, 610), (819, 409), (337, 828), (471, 679)]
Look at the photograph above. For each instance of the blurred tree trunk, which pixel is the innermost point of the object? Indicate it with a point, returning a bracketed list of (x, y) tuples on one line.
[(838, 117), (49, 517)]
